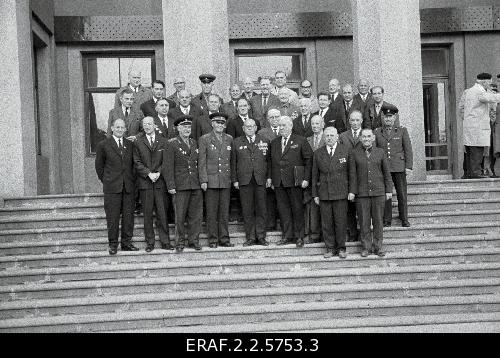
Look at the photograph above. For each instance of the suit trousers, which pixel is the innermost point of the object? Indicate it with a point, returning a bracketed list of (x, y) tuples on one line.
[(291, 211), (217, 202), (188, 209), (474, 157), (352, 221), (333, 223), (371, 212), (272, 210), (114, 205), (399, 180), (253, 205), (154, 199), (312, 220)]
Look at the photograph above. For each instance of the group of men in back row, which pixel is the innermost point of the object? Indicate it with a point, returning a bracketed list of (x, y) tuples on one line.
[(319, 163)]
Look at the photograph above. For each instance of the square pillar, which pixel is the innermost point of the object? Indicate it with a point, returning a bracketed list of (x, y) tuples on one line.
[(387, 52), (17, 123), (196, 41)]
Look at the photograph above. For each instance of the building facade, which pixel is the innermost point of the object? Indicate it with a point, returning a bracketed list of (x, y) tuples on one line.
[(63, 60)]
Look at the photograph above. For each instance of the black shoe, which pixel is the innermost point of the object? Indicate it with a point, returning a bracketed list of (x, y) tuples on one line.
[(387, 224), (167, 247), (263, 242), (379, 253), (196, 246), (364, 253), (150, 248), (299, 243), (213, 245), (494, 176), (284, 242), (112, 250), (226, 244), (248, 243), (129, 247), (405, 223)]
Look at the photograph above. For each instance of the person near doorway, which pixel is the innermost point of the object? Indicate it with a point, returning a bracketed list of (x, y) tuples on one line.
[(396, 143), (476, 125)]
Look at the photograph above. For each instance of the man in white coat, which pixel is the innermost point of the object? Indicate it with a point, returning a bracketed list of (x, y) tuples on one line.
[(476, 126)]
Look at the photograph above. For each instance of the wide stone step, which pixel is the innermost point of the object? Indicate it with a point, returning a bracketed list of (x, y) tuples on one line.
[(32, 251), (246, 297), (427, 206), (437, 323), (67, 209), (176, 265), (79, 232), (51, 200), (147, 283), (453, 193), (258, 313)]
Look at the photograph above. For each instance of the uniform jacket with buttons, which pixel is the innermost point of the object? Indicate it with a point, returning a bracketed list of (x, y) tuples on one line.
[(330, 175), (214, 160), (369, 176), (149, 159), (180, 165), (250, 160), (297, 152), (397, 147)]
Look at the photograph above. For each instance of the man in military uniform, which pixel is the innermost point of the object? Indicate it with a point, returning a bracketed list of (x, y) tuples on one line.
[(371, 186), (201, 99), (180, 170), (215, 178), (396, 143), (250, 165)]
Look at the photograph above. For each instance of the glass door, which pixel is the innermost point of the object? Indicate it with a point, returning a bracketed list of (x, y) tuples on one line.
[(437, 126)]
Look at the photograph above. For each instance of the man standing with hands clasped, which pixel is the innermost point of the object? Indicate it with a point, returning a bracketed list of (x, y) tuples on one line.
[(395, 141), (370, 184)]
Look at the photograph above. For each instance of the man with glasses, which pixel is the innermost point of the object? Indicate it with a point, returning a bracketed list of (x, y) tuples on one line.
[(179, 85), (306, 92), (250, 165)]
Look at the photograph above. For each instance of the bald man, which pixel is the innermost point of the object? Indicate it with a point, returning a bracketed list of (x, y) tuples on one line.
[(141, 93)]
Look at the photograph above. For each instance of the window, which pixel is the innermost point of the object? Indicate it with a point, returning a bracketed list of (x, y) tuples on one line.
[(258, 64), (103, 75)]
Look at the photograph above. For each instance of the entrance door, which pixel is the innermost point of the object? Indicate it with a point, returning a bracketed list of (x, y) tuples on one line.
[(437, 126)]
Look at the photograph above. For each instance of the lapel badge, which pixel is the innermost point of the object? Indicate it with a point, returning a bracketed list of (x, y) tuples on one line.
[(342, 160)]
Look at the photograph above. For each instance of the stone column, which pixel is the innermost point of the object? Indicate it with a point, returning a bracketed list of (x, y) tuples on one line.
[(17, 123), (387, 52), (196, 41)]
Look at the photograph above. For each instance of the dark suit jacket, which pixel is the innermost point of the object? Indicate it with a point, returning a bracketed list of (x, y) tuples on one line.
[(348, 140), (230, 109), (141, 96), (397, 147), (149, 160), (259, 112), (194, 111), (299, 129), (114, 170), (133, 122), (214, 160), (180, 165), (372, 120), (330, 175), (268, 133), (249, 160), (235, 127), (369, 176), (200, 102), (166, 132), (369, 98), (339, 111), (148, 107), (298, 152), (331, 120)]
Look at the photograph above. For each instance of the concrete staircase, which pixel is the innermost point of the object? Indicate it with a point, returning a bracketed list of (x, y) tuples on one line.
[(441, 274)]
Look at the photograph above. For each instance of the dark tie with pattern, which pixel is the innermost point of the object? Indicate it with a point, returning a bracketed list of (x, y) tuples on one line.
[(120, 146)]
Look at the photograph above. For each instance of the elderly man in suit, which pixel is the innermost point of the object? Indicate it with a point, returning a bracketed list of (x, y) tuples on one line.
[(164, 122), (248, 91), (180, 170), (203, 124), (235, 125), (396, 143), (250, 165), (302, 124), (115, 169), (270, 133), (291, 162), (352, 139), (263, 101), (148, 108), (330, 189), (231, 107), (373, 111), (287, 107), (126, 111), (280, 85), (207, 84), (306, 92), (371, 186), (148, 159), (215, 178), (141, 93), (363, 94), (350, 104), (312, 217), (186, 108), (179, 85), (328, 115)]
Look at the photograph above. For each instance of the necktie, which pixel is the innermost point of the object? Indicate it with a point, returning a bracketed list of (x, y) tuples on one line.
[(331, 152), (120, 146), (126, 112), (264, 101), (275, 130), (284, 145), (316, 141), (322, 113), (151, 141)]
